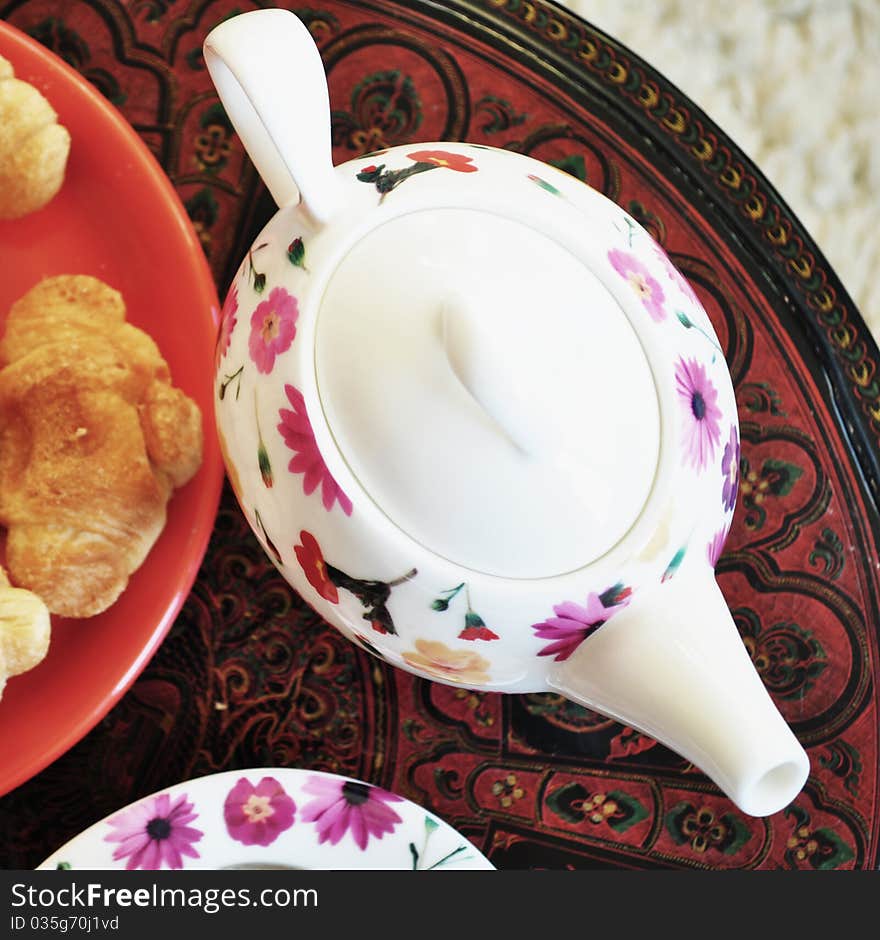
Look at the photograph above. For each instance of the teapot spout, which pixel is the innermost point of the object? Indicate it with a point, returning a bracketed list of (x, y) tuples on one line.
[(673, 666)]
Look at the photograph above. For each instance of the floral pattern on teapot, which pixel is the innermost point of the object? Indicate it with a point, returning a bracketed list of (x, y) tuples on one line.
[(642, 282), (573, 622), (328, 581), (273, 328), (387, 180), (296, 430), (270, 311), (474, 626)]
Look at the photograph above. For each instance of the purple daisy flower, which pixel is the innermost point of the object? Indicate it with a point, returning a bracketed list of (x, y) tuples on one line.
[(341, 806), (273, 327), (257, 815), (699, 398), (155, 832), (730, 470), (647, 288), (574, 623)]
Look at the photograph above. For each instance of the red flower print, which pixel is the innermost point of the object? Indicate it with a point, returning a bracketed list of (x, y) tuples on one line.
[(477, 633), (314, 567), (475, 628), (297, 432), (273, 327), (452, 161), (257, 815), (227, 324)]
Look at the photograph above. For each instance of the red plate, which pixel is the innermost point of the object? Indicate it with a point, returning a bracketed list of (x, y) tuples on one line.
[(117, 218)]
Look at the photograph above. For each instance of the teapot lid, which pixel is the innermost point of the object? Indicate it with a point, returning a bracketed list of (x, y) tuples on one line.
[(487, 391)]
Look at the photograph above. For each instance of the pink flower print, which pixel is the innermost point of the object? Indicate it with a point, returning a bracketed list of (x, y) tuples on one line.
[(716, 546), (299, 437), (155, 832), (574, 623), (730, 470), (273, 327), (257, 815), (699, 399), (646, 287), (227, 324), (341, 806)]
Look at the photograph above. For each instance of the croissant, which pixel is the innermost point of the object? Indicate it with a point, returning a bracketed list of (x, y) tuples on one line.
[(24, 630), (33, 147), (93, 440)]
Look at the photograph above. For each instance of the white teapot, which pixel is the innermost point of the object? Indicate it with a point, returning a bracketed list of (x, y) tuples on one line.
[(483, 426)]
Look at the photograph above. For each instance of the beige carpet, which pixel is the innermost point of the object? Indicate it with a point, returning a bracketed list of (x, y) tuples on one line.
[(796, 84)]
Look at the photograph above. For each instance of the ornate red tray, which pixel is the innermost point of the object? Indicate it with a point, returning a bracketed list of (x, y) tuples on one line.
[(249, 676)]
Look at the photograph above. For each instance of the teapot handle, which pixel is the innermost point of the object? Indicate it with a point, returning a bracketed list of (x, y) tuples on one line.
[(271, 81)]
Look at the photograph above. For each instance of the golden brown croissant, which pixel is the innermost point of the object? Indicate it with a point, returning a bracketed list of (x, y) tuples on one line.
[(93, 439), (33, 147), (24, 630)]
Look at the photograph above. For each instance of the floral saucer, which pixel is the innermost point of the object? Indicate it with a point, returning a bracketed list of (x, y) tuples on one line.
[(270, 818)]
